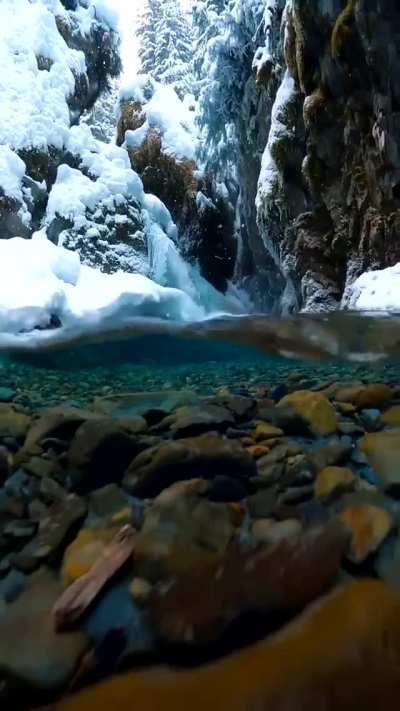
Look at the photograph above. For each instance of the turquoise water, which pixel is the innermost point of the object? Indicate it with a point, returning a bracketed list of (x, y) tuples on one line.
[(203, 359)]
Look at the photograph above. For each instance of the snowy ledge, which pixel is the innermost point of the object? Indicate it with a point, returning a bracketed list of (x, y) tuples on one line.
[(375, 291)]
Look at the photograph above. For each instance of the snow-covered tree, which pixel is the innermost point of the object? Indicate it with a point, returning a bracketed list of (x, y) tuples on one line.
[(147, 35), (166, 45)]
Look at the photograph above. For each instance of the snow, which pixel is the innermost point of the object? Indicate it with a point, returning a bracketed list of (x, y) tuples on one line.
[(375, 291), (12, 170), (38, 69), (269, 174), (165, 113), (40, 281)]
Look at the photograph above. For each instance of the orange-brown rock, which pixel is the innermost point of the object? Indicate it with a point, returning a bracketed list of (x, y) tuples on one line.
[(266, 431), (314, 408), (333, 481), (383, 452), (284, 576), (257, 451), (341, 654), (391, 417), (364, 396), (84, 551), (77, 598), (182, 530), (369, 526)]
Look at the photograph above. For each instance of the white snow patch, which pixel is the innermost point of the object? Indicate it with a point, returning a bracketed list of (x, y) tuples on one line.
[(39, 281), (165, 113), (12, 170), (269, 174), (375, 291)]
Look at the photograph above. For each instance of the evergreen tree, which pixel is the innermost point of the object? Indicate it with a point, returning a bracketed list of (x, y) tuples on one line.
[(147, 34), (166, 45)]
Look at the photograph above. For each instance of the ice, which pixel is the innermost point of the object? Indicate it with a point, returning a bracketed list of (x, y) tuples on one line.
[(375, 291)]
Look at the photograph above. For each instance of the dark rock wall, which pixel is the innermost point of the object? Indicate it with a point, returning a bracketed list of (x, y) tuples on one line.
[(334, 207)]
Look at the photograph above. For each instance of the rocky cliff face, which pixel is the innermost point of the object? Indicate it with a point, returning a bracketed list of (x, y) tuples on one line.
[(328, 201), (318, 132)]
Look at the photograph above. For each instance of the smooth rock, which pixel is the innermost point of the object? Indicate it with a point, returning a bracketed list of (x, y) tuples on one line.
[(334, 481), (13, 423), (54, 530), (192, 420), (30, 649), (99, 454), (246, 579), (266, 431), (366, 396), (107, 501), (391, 417), (314, 408), (207, 456), (369, 526), (342, 653), (382, 450)]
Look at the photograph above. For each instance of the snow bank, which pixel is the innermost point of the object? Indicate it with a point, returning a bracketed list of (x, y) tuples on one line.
[(166, 113), (39, 70), (375, 291), (42, 285)]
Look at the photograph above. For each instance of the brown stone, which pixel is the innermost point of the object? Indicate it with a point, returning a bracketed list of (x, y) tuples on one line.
[(80, 595), (369, 526), (266, 431), (391, 417), (333, 481), (192, 420), (365, 396), (342, 653), (383, 452), (246, 579), (314, 408), (12, 422), (30, 650), (207, 456)]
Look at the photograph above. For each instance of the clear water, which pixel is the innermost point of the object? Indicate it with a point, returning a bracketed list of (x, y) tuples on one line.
[(238, 354)]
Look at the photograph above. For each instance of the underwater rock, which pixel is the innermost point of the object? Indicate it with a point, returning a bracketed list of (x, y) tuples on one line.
[(375, 395), (80, 595), (190, 421), (314, 408), (30, 650), (87, 548), (369, 526), (270, 532), (99, 454), (382, 450), (56, 526), (317, 662), (391, 417), (59, 422), (13, 423), (266, 431), (333, 481), (243, 579), (182, 528), (328, 454), (107, 501), (208, 455)]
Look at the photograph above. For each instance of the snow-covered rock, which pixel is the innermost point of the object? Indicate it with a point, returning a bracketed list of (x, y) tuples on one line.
[(45, 287), (164, 112), (375, 291)]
